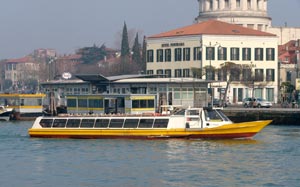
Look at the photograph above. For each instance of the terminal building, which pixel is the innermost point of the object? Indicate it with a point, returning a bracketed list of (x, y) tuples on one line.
[(132, 94)]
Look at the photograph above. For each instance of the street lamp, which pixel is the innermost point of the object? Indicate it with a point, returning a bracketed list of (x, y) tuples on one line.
[(210, 54), (297, 63), (52, 60)]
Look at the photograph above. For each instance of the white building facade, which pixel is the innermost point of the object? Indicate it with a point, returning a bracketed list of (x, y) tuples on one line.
[(181, 52)]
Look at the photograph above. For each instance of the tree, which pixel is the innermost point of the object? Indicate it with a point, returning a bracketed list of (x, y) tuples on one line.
[(233, 70), (94, 54), (136, 50), (125, 51), (7, 84), (144, 55)]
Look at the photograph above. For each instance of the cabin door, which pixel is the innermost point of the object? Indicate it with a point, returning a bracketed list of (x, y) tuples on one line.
[(110, 106)]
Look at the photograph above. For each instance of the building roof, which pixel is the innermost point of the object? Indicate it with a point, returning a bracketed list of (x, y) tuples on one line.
[(101, 78), (25, 59), (212, 27), (164, 80)]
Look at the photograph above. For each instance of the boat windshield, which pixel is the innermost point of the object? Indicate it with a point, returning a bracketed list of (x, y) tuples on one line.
[(179, 112), (215, 115)]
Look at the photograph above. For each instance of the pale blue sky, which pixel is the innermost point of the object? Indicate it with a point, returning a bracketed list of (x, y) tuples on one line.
[(67, 25)]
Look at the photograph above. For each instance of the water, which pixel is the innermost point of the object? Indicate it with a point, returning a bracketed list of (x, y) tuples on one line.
[(272, 158)]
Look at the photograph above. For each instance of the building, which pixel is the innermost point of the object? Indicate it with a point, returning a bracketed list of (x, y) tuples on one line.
[(19, 70), (127, 93), (248, 13), (207, 46)]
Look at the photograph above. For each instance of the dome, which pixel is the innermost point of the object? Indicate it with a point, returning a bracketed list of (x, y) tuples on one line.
[(247, 13)]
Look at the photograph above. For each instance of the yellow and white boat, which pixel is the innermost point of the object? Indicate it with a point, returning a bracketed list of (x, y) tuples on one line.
[(25, 106), (185, 123)]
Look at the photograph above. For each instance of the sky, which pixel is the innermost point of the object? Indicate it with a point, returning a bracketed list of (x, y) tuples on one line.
[(67, 25)]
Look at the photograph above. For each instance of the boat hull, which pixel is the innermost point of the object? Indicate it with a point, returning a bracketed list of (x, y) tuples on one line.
[(5, 116), (231, 131)]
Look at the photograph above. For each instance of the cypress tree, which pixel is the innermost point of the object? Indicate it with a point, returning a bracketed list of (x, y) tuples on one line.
[(125, 51), (136, 49)]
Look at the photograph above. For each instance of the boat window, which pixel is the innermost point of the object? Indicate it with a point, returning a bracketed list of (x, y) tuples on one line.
[(131, 123), (146, 123), (116, 123), (71, 103), (59, 123), (180, 112), (161, 123), (87, 123), (225, 118), (46, 123), (101, 123), (95, 103), (213, 115), (73, 123)]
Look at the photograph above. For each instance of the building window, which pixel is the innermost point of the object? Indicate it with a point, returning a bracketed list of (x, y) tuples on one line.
[(76, 91), (250, 26), (197, 53), (270, 94), (210, 73), (259, 55), (178, 73), (219, 74), (159, 55), (270, 75), (168, 55), (84, 90), (210, 53), (149, 72), (246, 53), (224, 74), (259, 75), (247, 75), (177, 93), (270, 54), (288, 76), (159, 72), (238, 3), (178, 54), (186, 54), (186, 72), (226, 3), (222, 53), (260, 27), (149, 55), (235, 74), (211, 5), (234, 53), (168, 73), (249, 4)]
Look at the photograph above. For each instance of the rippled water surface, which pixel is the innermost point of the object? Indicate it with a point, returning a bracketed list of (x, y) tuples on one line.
[(272, 158)]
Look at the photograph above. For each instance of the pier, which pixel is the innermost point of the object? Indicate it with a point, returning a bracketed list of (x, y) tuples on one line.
[(280, 116)]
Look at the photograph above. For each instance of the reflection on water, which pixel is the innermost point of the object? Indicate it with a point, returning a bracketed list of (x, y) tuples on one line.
[(272, 158)]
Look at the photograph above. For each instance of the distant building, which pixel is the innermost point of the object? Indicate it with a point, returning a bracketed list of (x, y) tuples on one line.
[(289, 59), (19, 70), (44, 53)]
